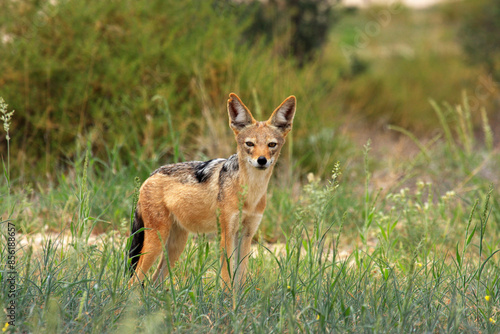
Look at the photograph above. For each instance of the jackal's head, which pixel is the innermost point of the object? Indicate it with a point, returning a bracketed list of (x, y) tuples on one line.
[(259, 143)]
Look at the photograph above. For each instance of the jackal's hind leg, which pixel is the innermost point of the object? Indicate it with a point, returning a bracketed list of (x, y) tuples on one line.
[(175, 245), (154, 238)]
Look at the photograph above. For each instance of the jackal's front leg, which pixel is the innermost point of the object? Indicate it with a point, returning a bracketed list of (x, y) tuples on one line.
[(229, 228), (250, 226)]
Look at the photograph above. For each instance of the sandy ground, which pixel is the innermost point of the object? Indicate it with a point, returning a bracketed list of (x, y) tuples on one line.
[(40, 241)]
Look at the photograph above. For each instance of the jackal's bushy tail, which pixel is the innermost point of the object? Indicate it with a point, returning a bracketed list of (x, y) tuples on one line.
[(137, 241)]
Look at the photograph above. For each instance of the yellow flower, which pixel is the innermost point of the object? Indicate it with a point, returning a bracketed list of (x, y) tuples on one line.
[(4, 329), (492, 320), (487, 298), (289, 287), (317, 317), (420, 265)]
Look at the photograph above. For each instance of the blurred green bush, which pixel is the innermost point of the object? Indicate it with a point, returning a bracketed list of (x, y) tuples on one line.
[(300, 26), (88, 71), (480, 34)]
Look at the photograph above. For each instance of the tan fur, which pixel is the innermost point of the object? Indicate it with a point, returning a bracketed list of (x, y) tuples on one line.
[(175, 200)]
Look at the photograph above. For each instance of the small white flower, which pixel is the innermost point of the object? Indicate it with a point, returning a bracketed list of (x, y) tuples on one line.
[(310, 177)]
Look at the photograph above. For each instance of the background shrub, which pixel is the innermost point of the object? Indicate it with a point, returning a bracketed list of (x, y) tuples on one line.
[(299, 27), (479, 34)]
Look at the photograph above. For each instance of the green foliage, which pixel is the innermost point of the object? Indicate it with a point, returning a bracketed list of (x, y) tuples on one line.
[(147, 82), (298, 27), (100, 64), (137, 80), (480, 34), (90, 72), (6, 118), (397, 59)]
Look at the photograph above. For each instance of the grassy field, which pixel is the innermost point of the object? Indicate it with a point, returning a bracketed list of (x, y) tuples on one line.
[(383, 214), (418, 262)]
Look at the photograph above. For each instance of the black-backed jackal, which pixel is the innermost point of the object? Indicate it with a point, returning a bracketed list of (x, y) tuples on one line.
[(191, 196)]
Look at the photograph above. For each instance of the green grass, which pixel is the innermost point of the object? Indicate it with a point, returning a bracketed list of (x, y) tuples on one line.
[(426, 263), (419, 259)]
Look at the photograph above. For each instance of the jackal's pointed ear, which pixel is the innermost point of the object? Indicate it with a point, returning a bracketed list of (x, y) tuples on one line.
[(282, 117), (239, 115)]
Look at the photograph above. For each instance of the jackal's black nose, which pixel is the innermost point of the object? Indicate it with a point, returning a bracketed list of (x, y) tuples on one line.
[(262, 161)]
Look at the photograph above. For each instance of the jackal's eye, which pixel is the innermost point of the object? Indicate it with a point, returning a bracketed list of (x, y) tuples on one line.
[(249, 144), (271, 144)]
